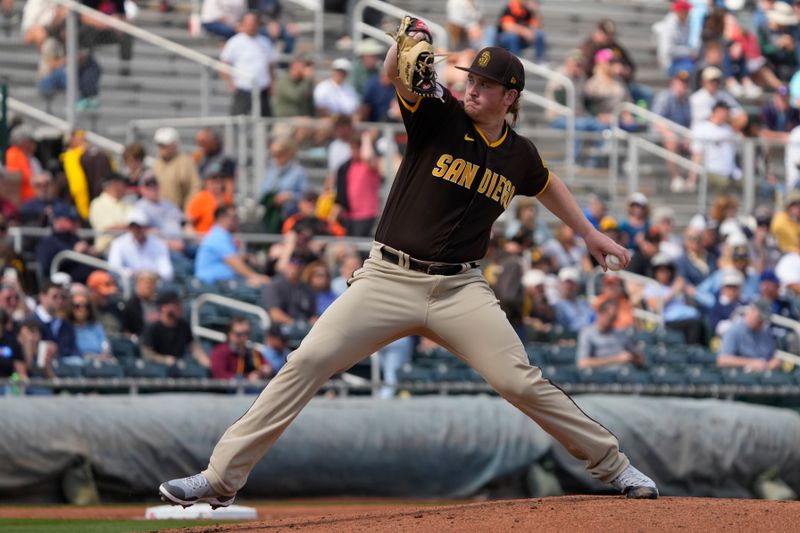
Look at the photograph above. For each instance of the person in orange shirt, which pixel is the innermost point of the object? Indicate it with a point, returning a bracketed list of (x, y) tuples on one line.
[(519, 27), (612, 290), (201, 207), (306, 217), (20, 159)]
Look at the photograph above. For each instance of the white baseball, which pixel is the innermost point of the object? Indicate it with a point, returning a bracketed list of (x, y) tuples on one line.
[(612, 262)]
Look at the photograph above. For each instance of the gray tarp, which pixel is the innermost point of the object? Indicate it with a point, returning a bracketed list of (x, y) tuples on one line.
[(421, 447)]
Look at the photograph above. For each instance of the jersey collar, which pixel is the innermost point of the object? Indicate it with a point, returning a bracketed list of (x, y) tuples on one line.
[(498, 142)]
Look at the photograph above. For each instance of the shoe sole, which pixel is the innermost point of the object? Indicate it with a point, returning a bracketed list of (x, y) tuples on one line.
[(642, 493), (173, 500)]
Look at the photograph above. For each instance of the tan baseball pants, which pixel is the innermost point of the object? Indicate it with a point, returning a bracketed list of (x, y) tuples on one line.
[(386, 302)]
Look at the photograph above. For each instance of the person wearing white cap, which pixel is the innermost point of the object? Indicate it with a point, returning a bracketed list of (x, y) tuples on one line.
[(175, 170), (369, 63), (778, 39), (334, 95), (637, 223), (728, 301), (572, 313), (539, 315), (136, 250), (702, 100), (669, 298), (253, 57), (748, 343)]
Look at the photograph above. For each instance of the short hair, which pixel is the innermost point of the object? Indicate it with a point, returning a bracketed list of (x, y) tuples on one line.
[(49, 284), (223, 210), (30, 324), (237, 319), (23, 132), (134, 151)]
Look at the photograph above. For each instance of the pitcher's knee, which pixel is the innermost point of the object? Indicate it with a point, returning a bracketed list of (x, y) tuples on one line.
[(311, 362)]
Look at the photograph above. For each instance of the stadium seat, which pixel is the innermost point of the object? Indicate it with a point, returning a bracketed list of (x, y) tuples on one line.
[(670, 355), (103, 369), (662, 375), (561, 356), (146, 369), (598, 376), (776, 378), (66, 371), (124, 349), (561, 374), (632, 376), (700, 355), (188, 369), (735, 376), (411, 374), (698, 375), (671, 337)]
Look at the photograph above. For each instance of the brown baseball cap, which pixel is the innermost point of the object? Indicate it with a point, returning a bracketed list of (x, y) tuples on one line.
[(500, 65)]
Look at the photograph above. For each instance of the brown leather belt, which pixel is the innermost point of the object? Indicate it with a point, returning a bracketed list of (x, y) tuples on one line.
[(434, 269)]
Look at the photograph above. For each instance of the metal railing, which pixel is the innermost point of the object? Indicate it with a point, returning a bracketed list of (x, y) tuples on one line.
[(207, 63), (94, 262), (317, 8), (568, 110), (223, 301), (360, 28)]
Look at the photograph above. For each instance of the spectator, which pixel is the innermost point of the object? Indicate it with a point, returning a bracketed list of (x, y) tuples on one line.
[(728, 301), (176, 172), (792, 160), (38, 357), (90, 336), (695, 264), (221, 17), (140, 310), (20, 159), (349, 264), (505, 278), (596, 210), (573, 69), (378, 96), (538, 314), (339, 151), (107, 212), (704, 99), (285, 179), (369, 64), (613, 291), (770, 291), (170, 338), (293, 92), (253, 54), (133, 159), (9, 260), (307, 218), (779, 118), (316, 276), (12, 360), (288, 300), (56, 331), (748, 343), (785, 224), (637, 224), (163, 217), (464, 25), (94, 32), (53, 71), (137, 250), (235, 359), (747, 62), (778, 40), (572, 313), (210, 151), (675, 51), (605, 90), (736, 255), (64, 237), (669, 299), (603, 345), (218, 258), (713, 56), (13, 301), (763, 244), (604, 37), (108, 308), (86, 167), (526, 224), (566, 249), (673, 104), (39, 19), (358, 184), (276, 348), (713, 147), (334, 96), (202, 206), (38, 211), (664, 223), (519, 28), (277, 31)]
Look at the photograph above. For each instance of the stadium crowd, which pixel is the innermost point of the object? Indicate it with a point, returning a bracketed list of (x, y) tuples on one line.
[(172, 226)]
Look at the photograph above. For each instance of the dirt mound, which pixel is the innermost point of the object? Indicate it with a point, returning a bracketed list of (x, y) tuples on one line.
[(568, 513)]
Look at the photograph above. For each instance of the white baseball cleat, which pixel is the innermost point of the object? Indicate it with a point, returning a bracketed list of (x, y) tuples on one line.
[(191, 490), (633, 484)]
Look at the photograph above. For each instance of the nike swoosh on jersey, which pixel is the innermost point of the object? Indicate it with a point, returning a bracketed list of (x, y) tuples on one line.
[(468, 138)]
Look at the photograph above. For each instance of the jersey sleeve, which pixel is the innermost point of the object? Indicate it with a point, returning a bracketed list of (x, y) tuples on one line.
[(427, 116), (537, 175)]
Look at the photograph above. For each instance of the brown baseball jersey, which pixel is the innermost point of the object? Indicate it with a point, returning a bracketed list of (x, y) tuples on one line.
[(453, 183)]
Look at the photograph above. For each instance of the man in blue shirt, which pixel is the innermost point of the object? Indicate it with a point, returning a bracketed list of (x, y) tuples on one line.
[(571, 312), (218, 257), (749, 343)]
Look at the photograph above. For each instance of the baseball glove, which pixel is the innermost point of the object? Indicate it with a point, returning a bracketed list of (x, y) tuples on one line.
[(415, 58)]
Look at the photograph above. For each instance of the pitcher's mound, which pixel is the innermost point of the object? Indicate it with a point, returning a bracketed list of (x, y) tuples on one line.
[(562, 514)]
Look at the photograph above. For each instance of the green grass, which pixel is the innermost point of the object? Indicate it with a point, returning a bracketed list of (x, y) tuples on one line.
[(37, 525)]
